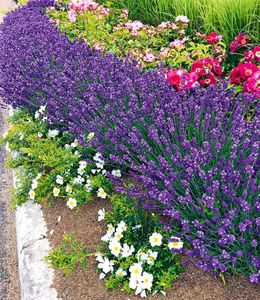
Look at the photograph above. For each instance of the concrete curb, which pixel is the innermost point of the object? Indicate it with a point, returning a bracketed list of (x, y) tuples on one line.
[(36, 277)]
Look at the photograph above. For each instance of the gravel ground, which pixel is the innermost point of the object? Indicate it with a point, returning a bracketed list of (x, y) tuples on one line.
[(9, 279)]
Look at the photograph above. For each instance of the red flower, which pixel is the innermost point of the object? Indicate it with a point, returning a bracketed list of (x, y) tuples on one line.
[(213, 38), (256, 52), (239, 41), (202, 66), (217, 68), (191, 79), (247, 69), (235, 76), (252, 85), (249, 55), (209, 80), (175, 77)]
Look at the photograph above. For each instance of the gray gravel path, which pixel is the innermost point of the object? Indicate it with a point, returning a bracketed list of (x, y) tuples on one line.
[(9, 280)]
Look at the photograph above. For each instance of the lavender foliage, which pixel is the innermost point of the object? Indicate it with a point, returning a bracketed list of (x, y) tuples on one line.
[(193, 154)]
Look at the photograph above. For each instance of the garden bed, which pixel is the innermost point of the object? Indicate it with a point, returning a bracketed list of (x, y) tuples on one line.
[(194, 284)]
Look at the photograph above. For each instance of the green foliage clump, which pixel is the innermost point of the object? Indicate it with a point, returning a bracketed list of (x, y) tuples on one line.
[(49, 164), (69, 255)]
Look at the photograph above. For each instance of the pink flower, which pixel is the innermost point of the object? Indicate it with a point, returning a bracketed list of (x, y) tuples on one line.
[(72, 16), (182, 19), (164, 25), (256, 52), (174, 26), (213, 38), (149, 57), (125, 11), (249, 56), (182, 79), (209, 80), (239, 41), (176, 43), (252, 85), (181, 31)]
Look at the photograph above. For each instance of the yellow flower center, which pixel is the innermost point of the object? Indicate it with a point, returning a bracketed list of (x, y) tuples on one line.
[(155, 239)]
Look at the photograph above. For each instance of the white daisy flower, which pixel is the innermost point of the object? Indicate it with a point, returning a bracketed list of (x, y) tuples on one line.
[(116, 173), (115, 248), (155, 239), (151, 257), (78, 180), (106, 265), (59, 179), (118, 235), (90, 136), (100, 165), (72, 203), (68, 189), (56, 191), (32, 194), (176, 243), (110, 228), (101, 214), (101, 193), (34, 184), (74, 144), (40, 134), (136, 270), (122, 225), (127, 251), (52, 133), (82, 164), (98, 157), (147, 280), (120, 273)]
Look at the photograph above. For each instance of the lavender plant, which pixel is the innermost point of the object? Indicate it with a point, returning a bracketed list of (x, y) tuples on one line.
[(195, 159)]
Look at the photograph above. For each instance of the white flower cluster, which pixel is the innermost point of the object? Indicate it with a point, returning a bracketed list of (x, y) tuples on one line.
[(34, 185), (100, 162), (39, 113), (139, 280)]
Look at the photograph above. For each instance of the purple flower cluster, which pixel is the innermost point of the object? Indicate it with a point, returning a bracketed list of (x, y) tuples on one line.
[(193, 154)]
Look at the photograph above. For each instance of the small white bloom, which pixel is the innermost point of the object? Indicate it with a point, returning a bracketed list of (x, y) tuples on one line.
[(122, 225), (39, 175), (118, 235), (44, 119), (110, 228), (137, 226), (5, 134), (82, 164), (7, 148), (67, 146), (136, 270), (21, 136), (32, 194), (40, 134), (52, 133), (74, 144), (115, 248), (59, 218), (37, 115), (106, 237), (99, 257), (147, 280), (155, 239), (176, 243), (164, 293), (59, 179), (78, 180), (101, 214), (104, 172), (182, 19), (72, 203), (102, 275), (151, 257), (56, 191), (106, 265), (42, 109), (101, 193), (98, 157), (68, 189), (34, 184), (93, 171), (80, 171), (120, 273), (127, 251), (116, 173), (90, 136), (141, 256), (100, 165)]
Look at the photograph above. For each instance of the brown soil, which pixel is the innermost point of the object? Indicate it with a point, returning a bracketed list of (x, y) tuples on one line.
[(86, 285)]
